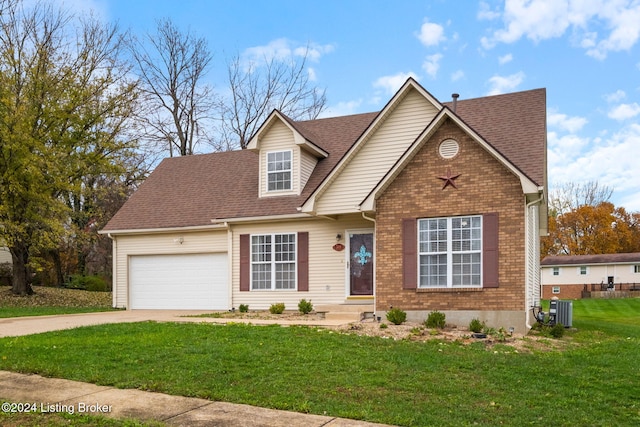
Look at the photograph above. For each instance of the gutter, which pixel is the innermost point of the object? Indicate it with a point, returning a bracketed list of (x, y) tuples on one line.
[(221, 226)]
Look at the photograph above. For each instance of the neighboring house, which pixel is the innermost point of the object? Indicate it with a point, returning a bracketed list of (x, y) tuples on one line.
[(5, 255), (568, 276), (422, 206)]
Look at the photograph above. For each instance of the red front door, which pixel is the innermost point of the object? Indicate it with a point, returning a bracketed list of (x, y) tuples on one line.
[(361, 263)]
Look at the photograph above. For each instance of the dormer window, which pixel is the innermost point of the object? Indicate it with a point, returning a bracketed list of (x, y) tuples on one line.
[(279, 170)]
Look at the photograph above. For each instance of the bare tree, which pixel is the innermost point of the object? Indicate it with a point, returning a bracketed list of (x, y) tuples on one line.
[(259, 88), (571, 196), (172, 66)]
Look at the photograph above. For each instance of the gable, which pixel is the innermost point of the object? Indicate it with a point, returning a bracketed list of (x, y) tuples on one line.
[(381, 149)]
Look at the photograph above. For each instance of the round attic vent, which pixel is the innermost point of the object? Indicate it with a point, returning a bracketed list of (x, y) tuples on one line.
[(448, 148)]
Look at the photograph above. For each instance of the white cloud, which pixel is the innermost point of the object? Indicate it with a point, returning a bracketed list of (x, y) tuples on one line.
[(485, 12), (606, 160), (624, 111), (564, 122), (431, 34), (342, 109), (505, 59), (431, 64), (282, 48), (502, 84), (458, 75), (616, 96), (540, 20), (391, 84)]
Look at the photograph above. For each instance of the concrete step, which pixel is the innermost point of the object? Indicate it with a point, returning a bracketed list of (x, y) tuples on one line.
[(346, 312)]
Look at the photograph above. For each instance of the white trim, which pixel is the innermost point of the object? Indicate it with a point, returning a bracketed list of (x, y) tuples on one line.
[(273, 262), (220, 225), (267, 172), (260, 219)]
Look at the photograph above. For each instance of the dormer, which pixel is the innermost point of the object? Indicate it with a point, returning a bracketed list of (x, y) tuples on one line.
[(287, 157)]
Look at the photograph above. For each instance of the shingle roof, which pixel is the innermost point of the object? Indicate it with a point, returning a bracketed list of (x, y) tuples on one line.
[(193, 190), (555, 260)]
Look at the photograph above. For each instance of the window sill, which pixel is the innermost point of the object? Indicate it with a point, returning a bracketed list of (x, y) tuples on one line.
[(447, 290)]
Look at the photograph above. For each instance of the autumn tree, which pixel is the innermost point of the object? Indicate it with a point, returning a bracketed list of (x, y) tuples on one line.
[(64, 99), (259, 87), (177, 107), (589, 230)]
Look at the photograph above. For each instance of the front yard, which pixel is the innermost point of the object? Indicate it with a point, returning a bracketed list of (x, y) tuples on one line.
[(47, 301), (591, 380)]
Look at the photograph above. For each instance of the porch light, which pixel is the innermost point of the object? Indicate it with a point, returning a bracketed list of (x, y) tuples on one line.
[(338, 237)]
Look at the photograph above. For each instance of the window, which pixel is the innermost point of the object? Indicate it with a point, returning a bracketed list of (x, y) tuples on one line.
[(273, 261), (556, 271), (583, 270), (636, 268), (555, 290), (450, 252), (279, 171)]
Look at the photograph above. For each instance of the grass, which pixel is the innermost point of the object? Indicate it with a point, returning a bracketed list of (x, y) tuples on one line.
[(49, 301), (593, 381)]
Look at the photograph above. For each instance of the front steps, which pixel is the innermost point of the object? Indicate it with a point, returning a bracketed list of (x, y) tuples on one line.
[(350, 312)]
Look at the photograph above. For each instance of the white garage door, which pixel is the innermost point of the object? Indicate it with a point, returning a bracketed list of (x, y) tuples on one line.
[(185, 282)]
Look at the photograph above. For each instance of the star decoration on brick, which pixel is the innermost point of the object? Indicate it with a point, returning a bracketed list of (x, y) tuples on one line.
[(449, 179)]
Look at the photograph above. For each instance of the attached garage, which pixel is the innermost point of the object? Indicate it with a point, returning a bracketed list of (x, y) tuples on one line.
[(180, 282)]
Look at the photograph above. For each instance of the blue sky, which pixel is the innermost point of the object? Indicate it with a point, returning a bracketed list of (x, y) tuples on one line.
[(586, 54)]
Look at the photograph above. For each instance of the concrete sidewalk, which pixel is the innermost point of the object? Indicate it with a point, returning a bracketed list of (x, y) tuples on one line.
[(17, 326), (58, 395)]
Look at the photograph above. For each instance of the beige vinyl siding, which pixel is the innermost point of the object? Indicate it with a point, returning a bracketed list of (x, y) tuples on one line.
[(327, 267), (377, 155), (156, 244), (307, 164), (279, 138), (596, 273)]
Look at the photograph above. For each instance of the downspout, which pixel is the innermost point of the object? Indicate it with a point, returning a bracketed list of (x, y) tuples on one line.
[(528, 205), (229, 263), (364, 215), (114, 254)]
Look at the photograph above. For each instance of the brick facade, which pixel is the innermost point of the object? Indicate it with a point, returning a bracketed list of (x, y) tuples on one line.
[(484, 186), (566, 291)]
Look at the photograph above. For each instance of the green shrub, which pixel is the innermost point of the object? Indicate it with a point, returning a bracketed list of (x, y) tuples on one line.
[(277, 308), (435, 319), (305, 307), (557, 330), (88, 283), (383, 326), (244, 308), (396, 316), (476, 326)]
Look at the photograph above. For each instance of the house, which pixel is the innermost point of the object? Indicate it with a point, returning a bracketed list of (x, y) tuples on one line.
[(578, 276), (421, 206)]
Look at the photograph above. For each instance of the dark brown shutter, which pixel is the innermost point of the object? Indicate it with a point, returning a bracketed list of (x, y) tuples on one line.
[(409, 254), (303, 261), (245, 262), (490, 250)]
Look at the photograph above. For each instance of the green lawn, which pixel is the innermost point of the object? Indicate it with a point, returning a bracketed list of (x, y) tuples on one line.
[(592, 381), (48, 301)]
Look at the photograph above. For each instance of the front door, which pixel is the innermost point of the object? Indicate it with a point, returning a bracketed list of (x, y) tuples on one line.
[(361, 263)]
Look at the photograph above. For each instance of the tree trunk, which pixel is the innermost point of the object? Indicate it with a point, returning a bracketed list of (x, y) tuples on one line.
[(21, 283)]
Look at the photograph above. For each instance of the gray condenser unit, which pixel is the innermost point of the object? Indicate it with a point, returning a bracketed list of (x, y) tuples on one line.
[(561, 312)]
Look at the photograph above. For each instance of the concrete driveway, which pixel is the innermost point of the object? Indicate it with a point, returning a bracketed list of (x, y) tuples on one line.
[(18, 326)]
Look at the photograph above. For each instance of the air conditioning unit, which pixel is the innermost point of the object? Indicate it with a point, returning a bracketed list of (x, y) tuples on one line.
[(561, 312)]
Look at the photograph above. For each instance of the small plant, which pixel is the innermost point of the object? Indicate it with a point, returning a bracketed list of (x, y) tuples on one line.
[(383, 326), (416, 331), (244, 308), (436, 319), (396, 316), (305, 307), (476, 326), (277, 308), (557, 330)]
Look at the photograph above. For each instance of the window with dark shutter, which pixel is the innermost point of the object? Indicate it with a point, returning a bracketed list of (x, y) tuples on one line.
[(409, 254), (245, 265), (490, 266), (303, 261)]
